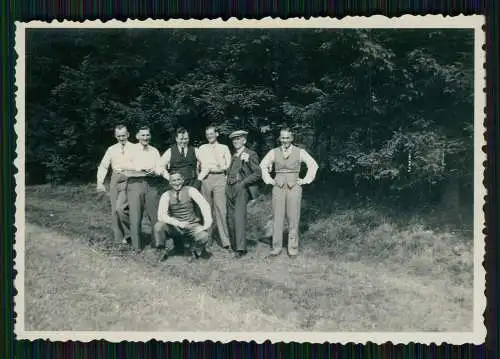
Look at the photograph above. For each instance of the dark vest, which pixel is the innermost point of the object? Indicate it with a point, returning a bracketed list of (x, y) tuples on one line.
[(182, 207), (287, 169), (185, 165)]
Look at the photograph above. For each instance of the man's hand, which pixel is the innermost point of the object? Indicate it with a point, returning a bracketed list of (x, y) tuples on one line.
[(270, 182), (183, 224), (101, 187), (240, 186), (301, 182)]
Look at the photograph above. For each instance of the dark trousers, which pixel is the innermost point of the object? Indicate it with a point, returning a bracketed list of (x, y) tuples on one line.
[(194, 235), (237, 216), (143, 199)]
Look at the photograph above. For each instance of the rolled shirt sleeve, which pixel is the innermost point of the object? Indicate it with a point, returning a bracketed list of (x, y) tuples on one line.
[(103, 167), (312, 166), (265, 166)]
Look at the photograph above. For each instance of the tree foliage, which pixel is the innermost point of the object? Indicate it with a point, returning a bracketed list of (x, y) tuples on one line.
[(392, 107)]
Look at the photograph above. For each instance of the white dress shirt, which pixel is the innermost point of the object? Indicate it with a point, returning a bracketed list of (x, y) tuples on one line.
[(213, 157), (144, 158), (117, 156), (268, 160)]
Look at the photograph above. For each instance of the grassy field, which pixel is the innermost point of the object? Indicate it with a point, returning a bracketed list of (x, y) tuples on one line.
[(359, 270)]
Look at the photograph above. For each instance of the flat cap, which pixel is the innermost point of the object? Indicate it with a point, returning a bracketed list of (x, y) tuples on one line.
[(238, 133)]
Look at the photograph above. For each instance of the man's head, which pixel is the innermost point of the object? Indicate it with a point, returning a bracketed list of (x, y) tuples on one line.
[(182, 137), (176, 180), (286, 137), (121, 134), (239, 139), (212, 134), (144, 135)]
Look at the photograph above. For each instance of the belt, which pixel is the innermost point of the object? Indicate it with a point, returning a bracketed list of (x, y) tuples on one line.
[(217, 173)]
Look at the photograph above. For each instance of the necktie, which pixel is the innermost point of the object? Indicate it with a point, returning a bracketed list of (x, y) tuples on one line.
[(177, 196), (184, 151)]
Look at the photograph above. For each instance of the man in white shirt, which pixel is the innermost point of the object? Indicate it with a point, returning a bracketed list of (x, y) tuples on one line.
[(287, 188), (118, 157), (143, 177), (177, 217), (215, 159)]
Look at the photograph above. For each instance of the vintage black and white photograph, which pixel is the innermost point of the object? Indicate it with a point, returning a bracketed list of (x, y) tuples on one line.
[(245, 180)]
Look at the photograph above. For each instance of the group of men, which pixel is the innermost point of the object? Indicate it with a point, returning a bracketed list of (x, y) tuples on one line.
[(203, 183)]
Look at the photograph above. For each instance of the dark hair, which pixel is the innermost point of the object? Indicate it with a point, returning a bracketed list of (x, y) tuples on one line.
[(175, 172), (144, 128), (181, 130), (285, 128), (120, 127), (212, 126)]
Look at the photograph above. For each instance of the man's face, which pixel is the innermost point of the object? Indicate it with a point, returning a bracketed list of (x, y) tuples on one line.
[(121, 135), (286, 138), (176, 181), (182, 139), (211, 135), (143, 137), (239, 142)]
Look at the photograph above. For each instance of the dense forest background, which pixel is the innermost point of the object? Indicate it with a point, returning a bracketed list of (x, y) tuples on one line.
[(387, 113)]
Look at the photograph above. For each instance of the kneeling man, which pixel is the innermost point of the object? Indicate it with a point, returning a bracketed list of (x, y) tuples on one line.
[(177, 217)]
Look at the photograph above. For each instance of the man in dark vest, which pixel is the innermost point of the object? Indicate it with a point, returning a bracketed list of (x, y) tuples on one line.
[(177, 217), (287, 188), (182, 158), (243, 175)]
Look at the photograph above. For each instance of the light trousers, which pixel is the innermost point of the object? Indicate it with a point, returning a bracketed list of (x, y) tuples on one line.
[(286, 203), (213, 189)]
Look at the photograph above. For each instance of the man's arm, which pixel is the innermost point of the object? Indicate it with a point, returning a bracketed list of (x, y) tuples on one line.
[(165, 164), (312, 167), (265, 166), (163, 211), (226, 154), (198, 163), (206, 212), (256, 174), (102, 169), (158, 169)]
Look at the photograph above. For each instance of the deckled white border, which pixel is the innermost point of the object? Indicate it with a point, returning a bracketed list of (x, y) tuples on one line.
[(407, 21)]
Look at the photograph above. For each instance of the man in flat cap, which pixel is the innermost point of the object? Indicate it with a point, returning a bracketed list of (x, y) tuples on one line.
[(243, 175), (287, 188)]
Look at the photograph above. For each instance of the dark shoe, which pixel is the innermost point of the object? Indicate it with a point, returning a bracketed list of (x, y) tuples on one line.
[(126, 240), (204, 254), (240, 254), (193, 257), (163, 256)]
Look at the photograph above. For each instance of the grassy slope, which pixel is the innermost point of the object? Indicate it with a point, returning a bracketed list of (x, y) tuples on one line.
[(357, 270)]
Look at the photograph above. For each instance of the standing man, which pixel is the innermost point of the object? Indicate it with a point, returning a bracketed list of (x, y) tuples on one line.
[(177, 217), (287, 188), (118, 157), (143, 177), (183, 158), (215, 159), (243, 174)]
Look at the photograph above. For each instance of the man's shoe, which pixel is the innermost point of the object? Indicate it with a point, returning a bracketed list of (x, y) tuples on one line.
[(274, 253), (205, 254), (163, 256), (240, 254), (193, 257)]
